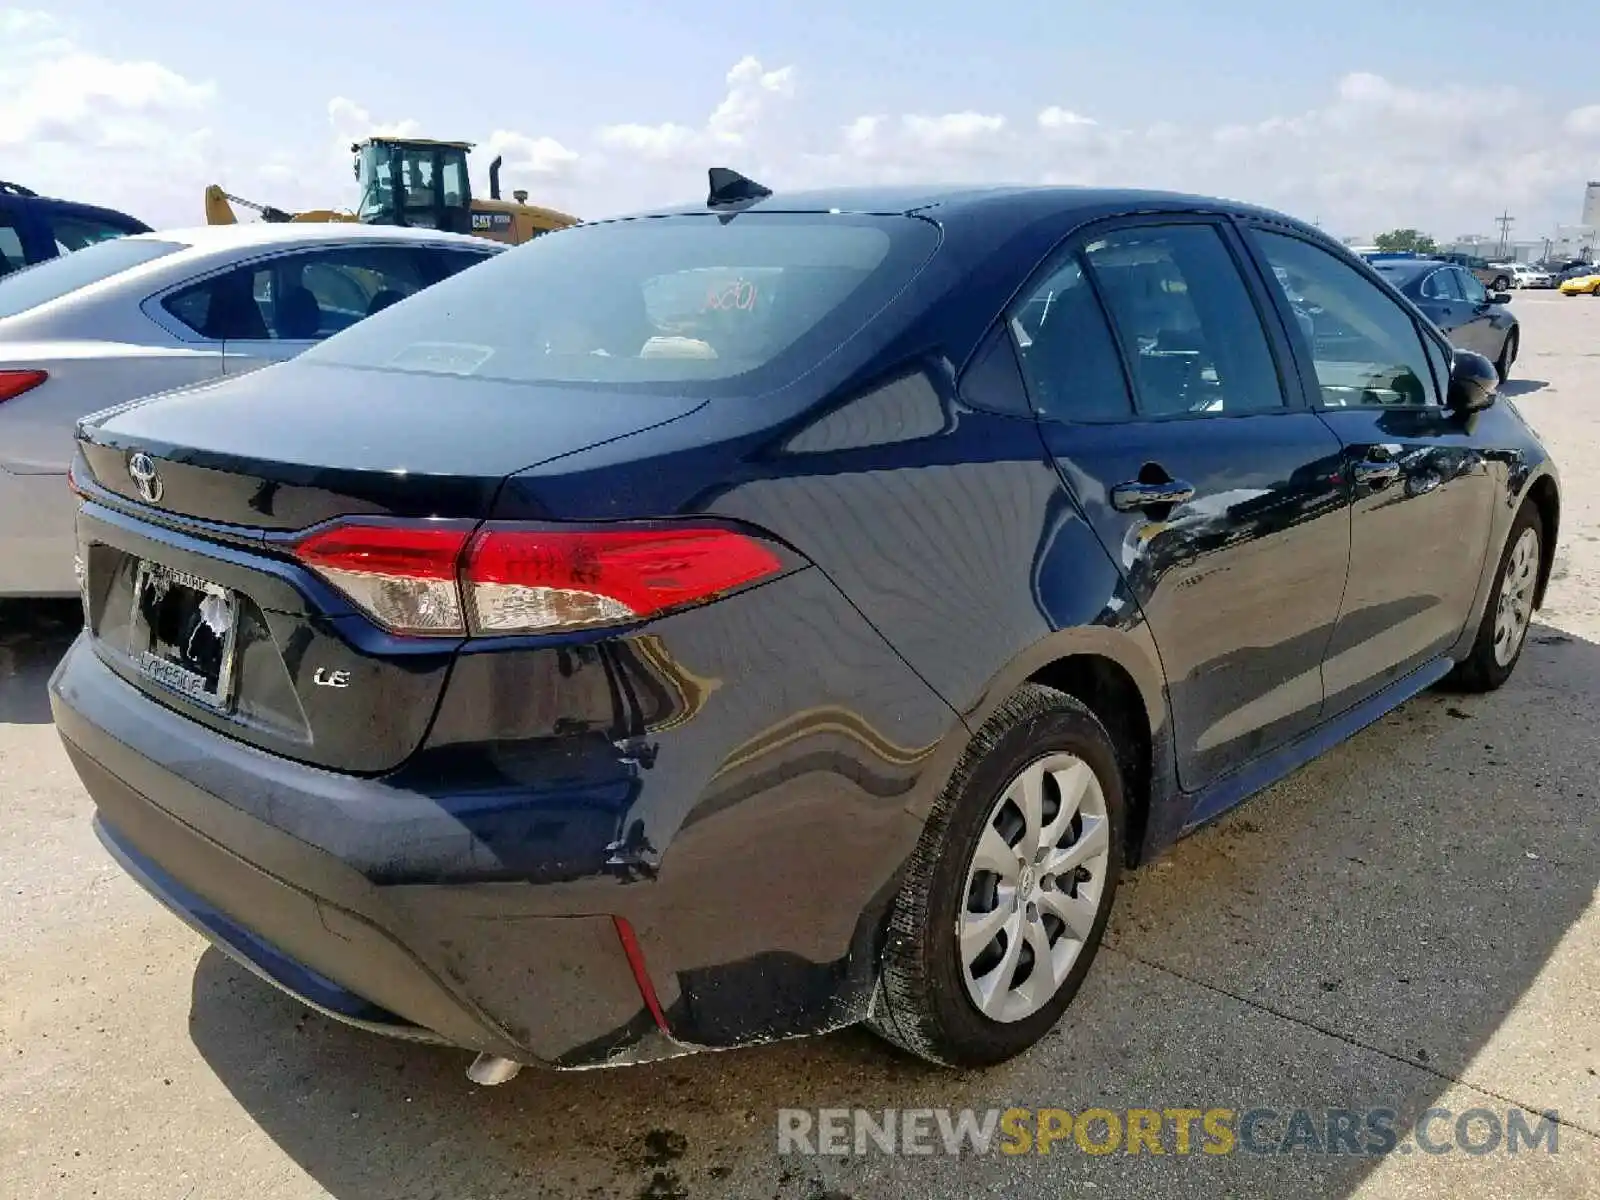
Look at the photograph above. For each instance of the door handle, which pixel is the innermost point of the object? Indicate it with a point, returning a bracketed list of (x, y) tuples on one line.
[(1376, 474), (1133, 496)]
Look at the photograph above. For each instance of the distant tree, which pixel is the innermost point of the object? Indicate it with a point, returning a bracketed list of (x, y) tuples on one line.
[(1407, 239)]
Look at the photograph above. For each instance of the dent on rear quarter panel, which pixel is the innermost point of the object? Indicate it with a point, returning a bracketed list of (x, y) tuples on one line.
[(738, 781)]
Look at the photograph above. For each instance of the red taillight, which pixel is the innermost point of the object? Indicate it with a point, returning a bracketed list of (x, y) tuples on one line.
[(404, 576), (14, 383), (433, 578), (526, 580)]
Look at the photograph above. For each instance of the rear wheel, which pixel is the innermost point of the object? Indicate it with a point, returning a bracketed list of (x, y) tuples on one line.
[(1503, 632), (1009, 890), (1508, 355), (1502, 283)]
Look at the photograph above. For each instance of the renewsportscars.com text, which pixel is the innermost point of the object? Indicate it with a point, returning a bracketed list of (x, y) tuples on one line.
[(1372, 1132)]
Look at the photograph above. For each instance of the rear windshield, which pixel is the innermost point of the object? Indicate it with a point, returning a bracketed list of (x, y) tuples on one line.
[(55, 277), (654, 303)]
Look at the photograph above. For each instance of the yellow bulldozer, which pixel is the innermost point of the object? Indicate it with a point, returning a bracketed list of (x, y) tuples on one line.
[(417, 182)]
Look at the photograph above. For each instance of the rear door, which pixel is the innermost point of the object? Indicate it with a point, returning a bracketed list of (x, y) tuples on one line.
[(1479, 332), (1422, 493), (1174, 416)]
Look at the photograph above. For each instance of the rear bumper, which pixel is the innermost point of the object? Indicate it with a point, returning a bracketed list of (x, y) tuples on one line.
[(746, 824)]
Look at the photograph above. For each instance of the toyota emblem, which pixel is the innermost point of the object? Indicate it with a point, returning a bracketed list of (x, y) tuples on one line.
[(145, 477)]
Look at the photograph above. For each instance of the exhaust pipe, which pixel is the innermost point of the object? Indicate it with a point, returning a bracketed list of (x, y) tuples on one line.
[(494, 178), (491, 1070)]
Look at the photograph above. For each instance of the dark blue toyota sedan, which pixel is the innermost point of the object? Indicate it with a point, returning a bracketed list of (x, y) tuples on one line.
[(784, 612)]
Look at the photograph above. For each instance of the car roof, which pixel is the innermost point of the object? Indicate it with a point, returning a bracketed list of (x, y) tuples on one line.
[(269, 234), (960, 200), (17, 196)]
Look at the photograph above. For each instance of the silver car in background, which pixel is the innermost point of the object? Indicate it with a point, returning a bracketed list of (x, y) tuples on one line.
[(145, 314)]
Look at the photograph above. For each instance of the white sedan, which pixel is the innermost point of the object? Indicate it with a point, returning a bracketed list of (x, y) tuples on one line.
[(145, 314)]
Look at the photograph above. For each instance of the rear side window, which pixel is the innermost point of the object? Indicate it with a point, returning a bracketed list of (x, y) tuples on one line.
[(655, 304), (56, 277), (301, 297), (1069, 358), (1186, 321)]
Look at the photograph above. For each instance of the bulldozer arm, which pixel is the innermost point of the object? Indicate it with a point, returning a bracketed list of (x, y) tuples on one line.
[(219, 210)]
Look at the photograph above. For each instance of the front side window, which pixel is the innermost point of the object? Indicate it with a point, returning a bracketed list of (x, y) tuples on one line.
[(1364, 346), (1069, 359), (1186, 321), (665, 304), (1471, 289)]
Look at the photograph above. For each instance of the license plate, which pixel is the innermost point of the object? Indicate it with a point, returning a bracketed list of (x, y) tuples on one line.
[(183, 633)]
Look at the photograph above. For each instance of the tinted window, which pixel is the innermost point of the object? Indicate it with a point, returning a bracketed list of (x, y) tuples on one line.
[(1069, 358), (75, 233), (1186, 321), (660, 304), (1443, 284), (1471, 288), (301, 297), (55, 277), (1363, 344)]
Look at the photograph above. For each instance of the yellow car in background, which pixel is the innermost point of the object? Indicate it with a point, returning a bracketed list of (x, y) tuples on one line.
[(1581, 285)]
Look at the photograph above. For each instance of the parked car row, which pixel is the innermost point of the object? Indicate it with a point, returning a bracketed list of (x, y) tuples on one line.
[(755, 617)]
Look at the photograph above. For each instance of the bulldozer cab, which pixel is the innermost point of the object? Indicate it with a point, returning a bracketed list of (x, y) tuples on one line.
[(414, 182)]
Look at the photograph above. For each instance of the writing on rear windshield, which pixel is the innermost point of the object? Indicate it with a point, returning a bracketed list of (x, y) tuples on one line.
[(739, 295)]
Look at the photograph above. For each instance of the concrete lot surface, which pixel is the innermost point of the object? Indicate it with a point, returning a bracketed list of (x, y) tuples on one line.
[(1408, 923)]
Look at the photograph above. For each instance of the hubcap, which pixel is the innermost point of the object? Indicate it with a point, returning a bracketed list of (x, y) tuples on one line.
[(1034, 887), (1514, 609)]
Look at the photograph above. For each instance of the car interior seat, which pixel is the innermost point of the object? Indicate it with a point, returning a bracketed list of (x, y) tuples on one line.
[(299, 314)]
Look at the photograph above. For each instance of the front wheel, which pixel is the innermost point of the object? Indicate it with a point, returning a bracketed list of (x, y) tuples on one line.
[(1010, 888), (1508, 355), (1502, 284), (1503, 632)]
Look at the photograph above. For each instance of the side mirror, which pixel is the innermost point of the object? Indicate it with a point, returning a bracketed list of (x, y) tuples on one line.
[(1499, 297), (1473, 382)]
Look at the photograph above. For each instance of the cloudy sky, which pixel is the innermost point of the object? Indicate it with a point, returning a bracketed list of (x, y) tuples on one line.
[(1362, 115)]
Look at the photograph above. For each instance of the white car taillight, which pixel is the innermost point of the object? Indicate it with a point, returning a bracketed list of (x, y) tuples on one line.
[(14, 383), (437, 578)]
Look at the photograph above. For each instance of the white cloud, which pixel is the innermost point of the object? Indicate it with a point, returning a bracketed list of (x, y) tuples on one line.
[(84, 125), (751, 89), (1374, 155), (524, 155), (959, 131), (54, 93)]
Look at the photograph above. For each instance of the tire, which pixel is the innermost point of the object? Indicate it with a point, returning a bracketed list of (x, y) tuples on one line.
[(928, 1002), (1508, 355), (1490, 662), (1502, 284)]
